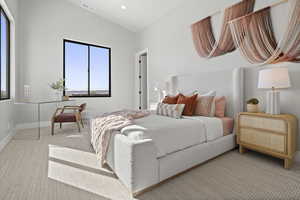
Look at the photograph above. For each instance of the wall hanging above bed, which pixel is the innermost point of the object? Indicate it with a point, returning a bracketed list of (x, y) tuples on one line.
[(253, 36), (204, 39)]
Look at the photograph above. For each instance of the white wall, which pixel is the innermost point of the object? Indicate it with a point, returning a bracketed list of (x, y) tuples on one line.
[(44, 25), (6, 107), (171, 49)]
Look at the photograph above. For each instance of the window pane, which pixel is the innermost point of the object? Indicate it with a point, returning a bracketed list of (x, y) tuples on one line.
[(4, 57), (76, 69), (99, 71)]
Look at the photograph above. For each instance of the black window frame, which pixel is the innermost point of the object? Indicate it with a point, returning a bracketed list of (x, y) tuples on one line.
[(64, 69), (8, 57)]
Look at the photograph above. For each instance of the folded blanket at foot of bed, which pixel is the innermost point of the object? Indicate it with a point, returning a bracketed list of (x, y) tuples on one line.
[(103, 127)]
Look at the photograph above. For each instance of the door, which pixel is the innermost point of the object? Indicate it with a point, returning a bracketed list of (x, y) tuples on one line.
[(143, 87)]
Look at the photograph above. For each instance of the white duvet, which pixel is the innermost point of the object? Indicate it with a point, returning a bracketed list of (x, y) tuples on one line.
[(170, 135)]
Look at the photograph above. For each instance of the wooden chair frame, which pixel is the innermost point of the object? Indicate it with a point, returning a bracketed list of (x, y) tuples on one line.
[(77, 113)]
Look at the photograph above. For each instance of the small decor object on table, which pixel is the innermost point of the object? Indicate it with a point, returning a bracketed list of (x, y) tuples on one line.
[(65, 98), (275, 135), (252, 105), (58, 88)]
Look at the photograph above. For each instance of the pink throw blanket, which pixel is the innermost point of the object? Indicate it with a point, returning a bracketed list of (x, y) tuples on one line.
[(103, 127)]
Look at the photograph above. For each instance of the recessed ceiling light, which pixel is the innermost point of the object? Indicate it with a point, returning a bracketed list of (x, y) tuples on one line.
[(123, 7)]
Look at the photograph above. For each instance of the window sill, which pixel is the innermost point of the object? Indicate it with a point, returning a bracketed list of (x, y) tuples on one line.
[(95, 96), (6, 101)]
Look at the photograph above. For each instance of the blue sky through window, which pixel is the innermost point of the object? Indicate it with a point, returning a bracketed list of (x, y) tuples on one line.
[(76, 69), (4, 56), (99, 68)]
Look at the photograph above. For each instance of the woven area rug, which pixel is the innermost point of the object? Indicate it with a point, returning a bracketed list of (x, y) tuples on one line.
[(64, 167)]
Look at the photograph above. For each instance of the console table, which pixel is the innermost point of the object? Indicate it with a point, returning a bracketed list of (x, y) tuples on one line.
[(39, 103)]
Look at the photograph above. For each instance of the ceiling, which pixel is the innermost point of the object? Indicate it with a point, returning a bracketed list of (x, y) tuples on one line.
[(138, 14)]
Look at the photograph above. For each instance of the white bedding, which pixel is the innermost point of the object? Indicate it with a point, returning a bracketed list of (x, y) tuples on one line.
[(170, 135), (213, 126)]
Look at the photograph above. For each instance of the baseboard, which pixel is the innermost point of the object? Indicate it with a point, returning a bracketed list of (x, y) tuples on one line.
[(33, 125), (7, 139), (297, 156)]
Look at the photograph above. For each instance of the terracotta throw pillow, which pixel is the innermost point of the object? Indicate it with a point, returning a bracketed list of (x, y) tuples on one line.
[(170, 99), (220, 103), (189, 102), (204, 105)]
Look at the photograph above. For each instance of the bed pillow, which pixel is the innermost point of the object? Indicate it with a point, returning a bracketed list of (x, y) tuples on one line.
[(213, 109), (211, 93), (170, 99), (220, 106), (204, 105), (190, 103), (170, 110), (188, 92)]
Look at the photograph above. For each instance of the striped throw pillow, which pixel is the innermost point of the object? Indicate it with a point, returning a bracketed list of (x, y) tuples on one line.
[(170, 110)]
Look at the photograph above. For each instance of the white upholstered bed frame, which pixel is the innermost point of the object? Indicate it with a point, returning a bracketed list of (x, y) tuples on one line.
[(135, 162)]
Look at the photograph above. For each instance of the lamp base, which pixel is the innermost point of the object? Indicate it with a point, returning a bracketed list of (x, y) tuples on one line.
[(273, 102)]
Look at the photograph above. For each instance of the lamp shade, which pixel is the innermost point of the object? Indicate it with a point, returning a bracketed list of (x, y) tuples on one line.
[(277, 78)]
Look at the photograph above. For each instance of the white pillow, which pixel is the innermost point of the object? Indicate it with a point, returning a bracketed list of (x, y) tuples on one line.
[(187, 93), (210, 93), (170, 110)]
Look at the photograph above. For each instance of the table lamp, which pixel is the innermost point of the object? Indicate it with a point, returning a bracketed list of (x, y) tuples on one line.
[(275, 79)]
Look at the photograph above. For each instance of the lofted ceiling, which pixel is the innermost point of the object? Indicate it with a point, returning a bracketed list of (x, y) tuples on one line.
[(135, 14)]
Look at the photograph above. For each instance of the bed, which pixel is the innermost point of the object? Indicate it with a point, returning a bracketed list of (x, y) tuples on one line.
[(171, 146)]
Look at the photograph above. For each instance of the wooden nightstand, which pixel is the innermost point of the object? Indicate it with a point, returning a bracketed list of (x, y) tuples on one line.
[(275, 135)]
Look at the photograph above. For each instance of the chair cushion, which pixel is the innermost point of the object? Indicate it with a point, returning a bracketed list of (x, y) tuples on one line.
[(65, 117)]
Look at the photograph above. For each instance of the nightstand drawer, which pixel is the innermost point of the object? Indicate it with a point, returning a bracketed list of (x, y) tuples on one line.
[(268, 140), (276, 125)]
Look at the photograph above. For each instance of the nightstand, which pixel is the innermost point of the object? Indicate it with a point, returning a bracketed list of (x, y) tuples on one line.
[(275, 135)]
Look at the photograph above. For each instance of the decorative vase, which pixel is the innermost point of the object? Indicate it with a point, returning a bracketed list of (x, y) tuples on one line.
[(57, 95), (253, 108)]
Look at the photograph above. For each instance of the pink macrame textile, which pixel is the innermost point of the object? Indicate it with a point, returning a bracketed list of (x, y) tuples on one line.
[(204, 39)]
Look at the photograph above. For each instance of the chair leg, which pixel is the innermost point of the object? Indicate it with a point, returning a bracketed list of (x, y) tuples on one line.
[(60, 125), (78, 125), (82, 123), (52, 128)]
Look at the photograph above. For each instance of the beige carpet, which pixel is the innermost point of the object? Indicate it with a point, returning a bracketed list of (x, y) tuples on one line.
[(63, 167)]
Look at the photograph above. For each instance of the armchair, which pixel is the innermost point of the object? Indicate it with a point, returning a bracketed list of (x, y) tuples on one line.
[(60, 116)]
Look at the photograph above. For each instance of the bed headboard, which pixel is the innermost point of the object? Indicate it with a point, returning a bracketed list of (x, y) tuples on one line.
[(228, 83)]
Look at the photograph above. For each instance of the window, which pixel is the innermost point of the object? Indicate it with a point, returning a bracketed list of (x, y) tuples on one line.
[(4, 56), (87, 70)]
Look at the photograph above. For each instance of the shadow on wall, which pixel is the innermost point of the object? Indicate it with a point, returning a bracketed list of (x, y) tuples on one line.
[(251, 90), (290, 98)]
